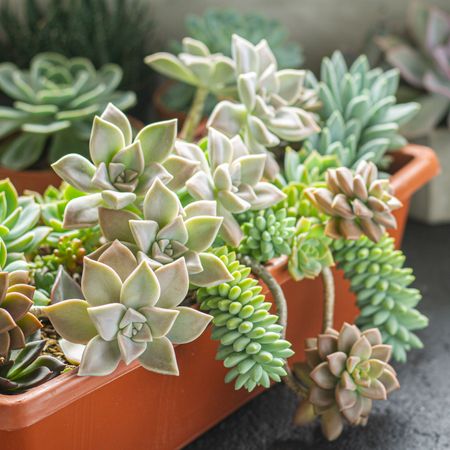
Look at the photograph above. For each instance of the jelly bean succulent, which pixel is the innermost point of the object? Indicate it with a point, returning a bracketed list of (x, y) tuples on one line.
[(28, 368), (345, 372), (424, 63), (16, 322), (123, 169), (168, 232), (54, 103), (359, 115), (266, 111), (130, 312), (232, 177), (358, 203)]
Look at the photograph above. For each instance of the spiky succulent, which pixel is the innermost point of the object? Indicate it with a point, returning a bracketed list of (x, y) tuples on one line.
[(310, 249), (424, 63), (16, 322), (251, 343), (130, 312), (168, 232), (54, 102), (345, 372), (360, 117), (196, 66), (123, 169), (18, 231), (267, 234), (357, 203), (232, 177), (27, 368), (265, 113), (382, 287)]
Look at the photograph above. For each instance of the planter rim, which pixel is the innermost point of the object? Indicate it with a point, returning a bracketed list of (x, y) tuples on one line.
[(418, 164)]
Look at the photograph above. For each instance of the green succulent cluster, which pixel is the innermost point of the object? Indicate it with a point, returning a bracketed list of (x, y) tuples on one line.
[(27, 368), (267, 234), (54, 103), (251, 343), (310, 249), (360, 117), (381, 285)]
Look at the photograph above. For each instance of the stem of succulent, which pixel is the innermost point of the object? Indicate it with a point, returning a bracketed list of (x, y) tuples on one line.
[(37, 311), (195, 115), (280, 302), (328, 298)]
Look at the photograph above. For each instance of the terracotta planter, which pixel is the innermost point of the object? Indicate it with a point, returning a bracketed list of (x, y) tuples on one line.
[(134, 409)]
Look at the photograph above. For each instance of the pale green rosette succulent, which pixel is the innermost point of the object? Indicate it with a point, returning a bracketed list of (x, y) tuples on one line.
[(231, 177), (123, 169), (265, 113), (130, 312), (196, 66), (167, 232)]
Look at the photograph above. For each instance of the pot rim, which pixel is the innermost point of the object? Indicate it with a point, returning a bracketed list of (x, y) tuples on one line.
[(414, 166)]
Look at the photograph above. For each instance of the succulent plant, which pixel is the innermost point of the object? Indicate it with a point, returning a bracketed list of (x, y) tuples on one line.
[(130, 312), (123, 169), (196, 66), (215, 28), (27, 368), (346, 371), (54, 103), (251, 343), (232, 177), (311, 250), (424, 63), (359, 111), (16, 322), (381, 284), (265, 114), (267, 234), (18, 231), (357, 203), (168, 232)]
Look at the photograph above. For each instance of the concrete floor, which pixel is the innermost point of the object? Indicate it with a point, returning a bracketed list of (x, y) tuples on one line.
[(416, 417)]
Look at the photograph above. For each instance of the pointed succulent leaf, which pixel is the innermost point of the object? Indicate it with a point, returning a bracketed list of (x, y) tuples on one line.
[(106, 140), (160, 204), (173, 280), (100, 358), (214, 271), (77, 171), (188, 326), (159, 357)]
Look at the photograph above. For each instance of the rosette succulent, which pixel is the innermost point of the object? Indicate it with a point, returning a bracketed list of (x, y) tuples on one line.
[(16, 322), (130, 312), (123, 169), (168, 232), (360, 117), (357, 203), (54, 102), (424, 63), (27, 368), (266, 111), (310, 249), (345, 372), (232, 177), (196, 66)]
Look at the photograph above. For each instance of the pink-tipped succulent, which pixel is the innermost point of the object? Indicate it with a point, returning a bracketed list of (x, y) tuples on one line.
[(345, 371), (359, 203)]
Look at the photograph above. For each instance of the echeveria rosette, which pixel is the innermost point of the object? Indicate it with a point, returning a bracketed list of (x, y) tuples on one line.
[(196, 66), (28, 368), (265, 114), (345, 371), (233, 178), (168, 232), (16, 322), (424, 63), (130, 312), (359, 203), (122, 169), (310, 249)]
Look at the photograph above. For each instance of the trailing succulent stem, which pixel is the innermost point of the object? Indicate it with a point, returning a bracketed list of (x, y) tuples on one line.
[(381, 285), (195, 115), (252, 340), (328, 298)]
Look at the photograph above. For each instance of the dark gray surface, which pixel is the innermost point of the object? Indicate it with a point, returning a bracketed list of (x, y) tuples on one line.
[(417, 417)]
